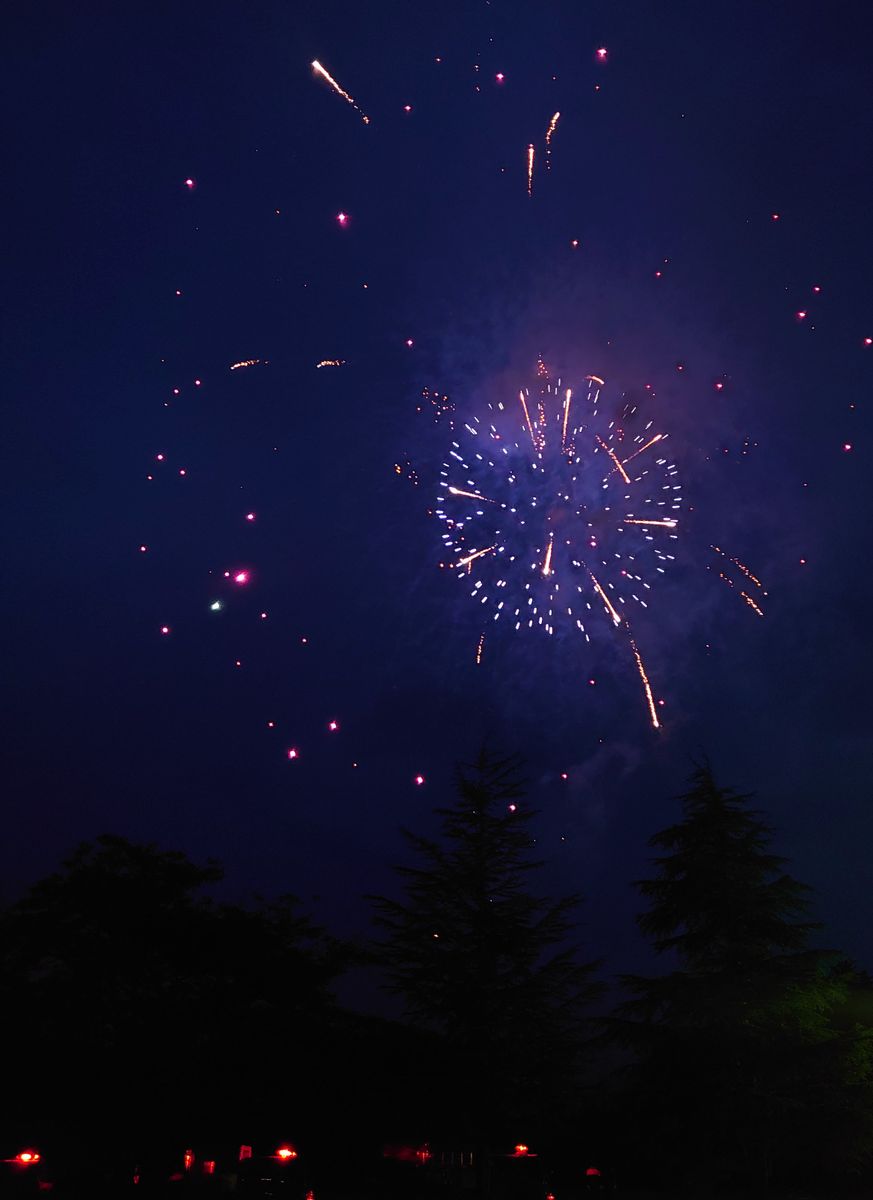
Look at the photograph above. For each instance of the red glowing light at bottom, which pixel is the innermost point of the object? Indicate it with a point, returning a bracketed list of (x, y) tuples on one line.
[(592, 1171)]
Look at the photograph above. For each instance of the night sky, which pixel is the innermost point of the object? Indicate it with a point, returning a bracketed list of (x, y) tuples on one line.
[(704, 228)]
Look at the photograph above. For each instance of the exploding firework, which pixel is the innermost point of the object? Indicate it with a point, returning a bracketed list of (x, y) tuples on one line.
[(558, 515)]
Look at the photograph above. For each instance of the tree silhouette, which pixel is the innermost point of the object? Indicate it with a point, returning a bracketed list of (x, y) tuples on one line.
[(479, 957), (740, 1060)]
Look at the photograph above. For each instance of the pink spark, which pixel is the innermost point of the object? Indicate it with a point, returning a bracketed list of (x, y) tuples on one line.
[(602, 54), (271, 724), (801, 316), (410, 342), (803, 562), (178, 293), (680, 366), (419, 780), (263, 616), (165, 629), (159, 458), (175, 391), (499, 77), (241, 577), (197, 383), (574, 243), (512, 807), (407, 108), (774, 216), (250, 516), (816, 288), (868, 341), (847, 446), (564, 775), (333, 726), (182, 471), (292, 753), (190, 184), (592, 682), (342, 218), (143, 549), (719, 385)]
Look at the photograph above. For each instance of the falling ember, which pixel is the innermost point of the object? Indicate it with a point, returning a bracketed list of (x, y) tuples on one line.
[(246, 362), (650, 442), (319, 69), (567, 399), (330, 362), (549, 132), (530, 166), (548, 560), (471, 495), (603, 596), (669, 523), (751, 603), (465, 562), (646, 686), (612, 455), (479, 649), (527, 419)]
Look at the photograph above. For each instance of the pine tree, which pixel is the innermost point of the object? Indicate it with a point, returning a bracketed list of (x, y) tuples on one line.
[(737, 1048), (479, 957)]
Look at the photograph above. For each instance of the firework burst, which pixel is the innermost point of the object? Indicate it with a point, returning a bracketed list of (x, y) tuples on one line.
[(558, 515)]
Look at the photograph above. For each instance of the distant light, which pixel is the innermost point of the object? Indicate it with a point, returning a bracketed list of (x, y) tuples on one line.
[(574, 243), (241, 577), (499, 77), (419, 780), (28, 1157), (143, 549), (215, 606), (165, 629), (847, 446), (182, 471), (271, 724), (602, 54), (250, 516), (410, 342), (680, 366), (592, 682), (159, 458), (774, 216), (190, 184), (592, 1171), (521, 1151), (197, 383), (286, 1152), (407, 108), (801, 316), (175, 391), (512, 807), (342, 218), (868, 341), (816, 289), (209, 1166), (292, 754), (188, 1159), (564, 775), (333, 726)]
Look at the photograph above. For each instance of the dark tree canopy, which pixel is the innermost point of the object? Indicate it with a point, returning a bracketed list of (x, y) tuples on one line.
[(481, 957), (739, 1048)]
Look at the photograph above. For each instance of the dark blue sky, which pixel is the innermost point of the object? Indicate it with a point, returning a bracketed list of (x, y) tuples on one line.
[(703, 122)]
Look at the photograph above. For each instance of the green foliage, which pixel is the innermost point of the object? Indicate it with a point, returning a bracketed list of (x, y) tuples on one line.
[(742, 1057)]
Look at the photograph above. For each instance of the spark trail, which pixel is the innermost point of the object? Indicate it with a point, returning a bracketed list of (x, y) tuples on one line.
[(340, 91)]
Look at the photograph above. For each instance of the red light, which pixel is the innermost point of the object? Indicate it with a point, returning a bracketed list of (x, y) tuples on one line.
[(28, 1157), (209, 1166), (592, 1171), (244, 1153), (521, 1151), (188, 1159), (286, 1153)]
